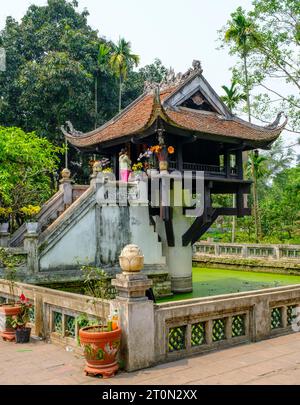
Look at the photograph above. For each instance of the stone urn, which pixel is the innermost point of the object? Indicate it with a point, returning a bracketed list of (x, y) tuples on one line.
[(131, 259), (65, 173)]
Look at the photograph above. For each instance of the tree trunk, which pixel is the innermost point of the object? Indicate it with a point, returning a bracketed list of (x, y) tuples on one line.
[(120, 94), (247, 87)]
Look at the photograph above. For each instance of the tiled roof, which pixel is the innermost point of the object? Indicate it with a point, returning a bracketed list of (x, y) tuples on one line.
[(212, 123), (140, 115), (130, 121)]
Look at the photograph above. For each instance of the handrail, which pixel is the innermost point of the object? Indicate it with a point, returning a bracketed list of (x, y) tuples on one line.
[(54, 204)]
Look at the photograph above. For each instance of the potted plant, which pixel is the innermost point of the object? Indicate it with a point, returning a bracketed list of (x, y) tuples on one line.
[(100, 342), (162, 152), (11, 309), (4, 219), (20, 320), (29, 212), (137, 171)]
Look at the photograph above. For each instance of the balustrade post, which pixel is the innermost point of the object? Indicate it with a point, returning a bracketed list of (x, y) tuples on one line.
[(38, 315), (4, 239), (136, 311), (66, 187), (217, 249), (31, 248)]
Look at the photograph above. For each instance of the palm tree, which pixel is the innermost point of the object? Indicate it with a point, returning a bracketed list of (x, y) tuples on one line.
[(232, 98), (120, 61), (256, 169), (241, 32), (102, 64)]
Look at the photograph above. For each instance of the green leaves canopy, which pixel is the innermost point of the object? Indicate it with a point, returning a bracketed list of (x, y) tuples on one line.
[(26, 164)]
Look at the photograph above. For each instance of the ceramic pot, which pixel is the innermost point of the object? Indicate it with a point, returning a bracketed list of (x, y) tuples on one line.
[(23, 335), (100, 350), (32, 227), (7, 311), (163, 165), (131, 259)]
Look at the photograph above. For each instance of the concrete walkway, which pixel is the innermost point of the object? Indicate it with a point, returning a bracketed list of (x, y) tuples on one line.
[(274, 361)]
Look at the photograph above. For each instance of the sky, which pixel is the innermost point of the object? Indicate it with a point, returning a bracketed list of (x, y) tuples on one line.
[(174, 31)]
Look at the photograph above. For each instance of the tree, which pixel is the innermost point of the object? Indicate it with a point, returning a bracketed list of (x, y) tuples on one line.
[(240, 31), (256, 169), (54, 91), (281, 206), (273, 60), (102, 67), (55, 44), (232, 95), (27, 163), (121, 60)]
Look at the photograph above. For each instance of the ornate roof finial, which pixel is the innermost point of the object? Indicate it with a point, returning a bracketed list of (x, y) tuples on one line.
[(70, 130), (275, 123)]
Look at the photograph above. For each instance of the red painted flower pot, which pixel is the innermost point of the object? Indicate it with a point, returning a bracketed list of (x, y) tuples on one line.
[(100, 350), (8, 311)]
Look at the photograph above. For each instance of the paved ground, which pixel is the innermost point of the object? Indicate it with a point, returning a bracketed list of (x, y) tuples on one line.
[(274, 361)]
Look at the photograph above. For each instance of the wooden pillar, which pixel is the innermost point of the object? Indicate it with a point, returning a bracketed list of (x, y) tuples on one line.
[(179, 157), (239, 164), (227, 163)]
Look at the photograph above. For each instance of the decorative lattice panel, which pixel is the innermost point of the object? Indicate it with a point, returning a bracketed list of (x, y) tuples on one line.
[(177, 338), (218, 330), (70, 326), (291, 315), (276, 318), (57, 322), (238, 325), (31, 314), (198, 334)]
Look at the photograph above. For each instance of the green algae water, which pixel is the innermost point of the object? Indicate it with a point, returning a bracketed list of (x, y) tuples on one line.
[(207, 282)]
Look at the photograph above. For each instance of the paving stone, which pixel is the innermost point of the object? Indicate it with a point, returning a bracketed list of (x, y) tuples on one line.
[(273, 361)]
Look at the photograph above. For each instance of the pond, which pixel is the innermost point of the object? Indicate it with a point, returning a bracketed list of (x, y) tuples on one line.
[(207, 282)]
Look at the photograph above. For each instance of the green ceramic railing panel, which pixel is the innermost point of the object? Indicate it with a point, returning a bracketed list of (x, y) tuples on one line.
[(70, 326), (276, 318), (218, 330), (290, 314), (198, 334), (57, 322), (177, 338), (238, 325)]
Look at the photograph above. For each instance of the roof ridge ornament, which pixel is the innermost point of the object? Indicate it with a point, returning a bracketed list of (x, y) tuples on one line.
[(275, 123), (70, 130), (172, 79)]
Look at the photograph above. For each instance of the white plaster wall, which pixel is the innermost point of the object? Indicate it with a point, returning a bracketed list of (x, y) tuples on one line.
[(143, 235), (112, 233), (77, 245), (179, 258)]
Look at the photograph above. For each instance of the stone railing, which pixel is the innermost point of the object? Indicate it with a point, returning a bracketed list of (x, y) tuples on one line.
[(53, 314), (156, 333), (241, 250), (195, 326)]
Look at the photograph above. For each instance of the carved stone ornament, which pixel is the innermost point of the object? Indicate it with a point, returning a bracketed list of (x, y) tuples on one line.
[(131, 259)]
